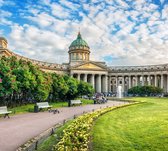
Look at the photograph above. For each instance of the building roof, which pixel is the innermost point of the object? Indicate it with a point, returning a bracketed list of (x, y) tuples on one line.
[(78, 42), (2, 38)]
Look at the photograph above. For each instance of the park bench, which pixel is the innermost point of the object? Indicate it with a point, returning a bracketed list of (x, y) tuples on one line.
[(43, 105), (74, 102), (3, 110)]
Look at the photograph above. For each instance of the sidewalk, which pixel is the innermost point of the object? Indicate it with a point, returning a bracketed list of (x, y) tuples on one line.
[(20, 128)]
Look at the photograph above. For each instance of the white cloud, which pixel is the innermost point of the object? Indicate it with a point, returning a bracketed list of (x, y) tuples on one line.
[(1, 2), (132, 37), (59, 11), (4, 17), (162, 1), (122, 4), (42, 19), (6, 2), (1, 32), (37, 44), (70, 5), (165, 12)]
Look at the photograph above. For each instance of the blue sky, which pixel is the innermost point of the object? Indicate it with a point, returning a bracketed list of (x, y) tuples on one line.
[(119, 32)]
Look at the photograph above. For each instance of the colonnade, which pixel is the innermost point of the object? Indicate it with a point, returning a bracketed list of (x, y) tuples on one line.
[(109, 83), (98, 81), (129, 81)]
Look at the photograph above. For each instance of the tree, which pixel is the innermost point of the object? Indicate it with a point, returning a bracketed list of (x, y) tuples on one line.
[(59, 87), (72, 88), (85, 88), (145, 90), (22, 82)]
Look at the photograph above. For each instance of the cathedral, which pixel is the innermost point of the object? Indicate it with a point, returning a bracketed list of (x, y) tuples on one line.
[(103, 78)]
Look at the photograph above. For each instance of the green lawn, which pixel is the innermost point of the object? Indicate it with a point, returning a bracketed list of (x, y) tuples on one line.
[(142, 127), (30, 107)]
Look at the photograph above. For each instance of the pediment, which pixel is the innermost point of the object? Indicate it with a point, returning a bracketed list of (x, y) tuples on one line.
[(90, 66)]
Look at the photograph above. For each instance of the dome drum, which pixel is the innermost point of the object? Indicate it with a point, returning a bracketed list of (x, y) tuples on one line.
[(79, 47)]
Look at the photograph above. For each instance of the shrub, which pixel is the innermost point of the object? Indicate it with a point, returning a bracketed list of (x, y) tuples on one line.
[(145, 90), (77, 135)]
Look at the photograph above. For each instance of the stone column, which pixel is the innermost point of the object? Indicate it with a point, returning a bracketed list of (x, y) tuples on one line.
[(109, 84), (161, 81), (152, 78), (105, 84), (85, 77), (142, 80), (155, 80), (129, 82), (93, 80), (123, 83), (116, 82), (98, 83), (78, 77), (136, 80), (149, 78)]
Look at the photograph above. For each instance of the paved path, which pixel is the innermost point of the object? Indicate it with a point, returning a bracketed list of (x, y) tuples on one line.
[(20, 128)]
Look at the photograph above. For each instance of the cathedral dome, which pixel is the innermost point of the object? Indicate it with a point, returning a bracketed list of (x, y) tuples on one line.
[(79, 43), (79, 50)]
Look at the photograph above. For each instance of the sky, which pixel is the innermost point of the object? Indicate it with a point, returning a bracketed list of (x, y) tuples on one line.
[(118, 32)]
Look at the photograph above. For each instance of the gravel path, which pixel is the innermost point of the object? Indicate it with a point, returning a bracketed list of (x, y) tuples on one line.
[(20, 128)]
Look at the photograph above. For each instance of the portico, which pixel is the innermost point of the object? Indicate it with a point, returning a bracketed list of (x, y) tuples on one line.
[(97, 78)]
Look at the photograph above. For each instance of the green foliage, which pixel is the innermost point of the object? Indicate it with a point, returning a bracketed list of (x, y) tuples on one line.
[(59, 87), (77, 135), (21, 82), (72, 88), (145, 90), (85, 89)]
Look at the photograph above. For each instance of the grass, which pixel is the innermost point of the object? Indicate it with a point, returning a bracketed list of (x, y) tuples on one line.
[(52, 140), (85, 101), (30, 107), (133, 128)]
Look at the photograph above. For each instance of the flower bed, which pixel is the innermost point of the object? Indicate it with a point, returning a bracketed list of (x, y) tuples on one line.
[(76, 136)]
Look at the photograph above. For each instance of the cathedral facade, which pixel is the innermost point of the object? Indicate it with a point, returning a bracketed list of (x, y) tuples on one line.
[(102, 77)]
